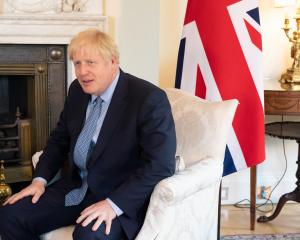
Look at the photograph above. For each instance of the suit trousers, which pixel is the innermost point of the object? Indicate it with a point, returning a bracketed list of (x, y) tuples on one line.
[(26, 221)]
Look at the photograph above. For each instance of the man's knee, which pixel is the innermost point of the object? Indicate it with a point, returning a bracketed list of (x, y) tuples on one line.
[(13, 219), (7, 217), (83, 233), (3, 217), (8, 221)]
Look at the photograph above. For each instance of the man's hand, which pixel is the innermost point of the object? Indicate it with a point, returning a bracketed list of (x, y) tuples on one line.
[(35, 189), (102, 211)]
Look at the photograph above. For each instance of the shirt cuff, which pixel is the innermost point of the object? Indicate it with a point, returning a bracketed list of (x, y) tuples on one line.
[(40, 179), (117, 210)]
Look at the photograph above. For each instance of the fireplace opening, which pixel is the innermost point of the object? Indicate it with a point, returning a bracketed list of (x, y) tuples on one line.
[(16, 118), (14, 92)]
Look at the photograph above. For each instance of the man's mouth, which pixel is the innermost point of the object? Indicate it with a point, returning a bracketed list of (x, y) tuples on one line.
[(85, 82)]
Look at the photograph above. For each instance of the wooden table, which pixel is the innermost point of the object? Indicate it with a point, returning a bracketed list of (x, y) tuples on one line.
[(282, 102), (277, 102)]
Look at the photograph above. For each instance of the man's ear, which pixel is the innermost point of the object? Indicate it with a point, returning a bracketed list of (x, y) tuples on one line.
[(114, 60)]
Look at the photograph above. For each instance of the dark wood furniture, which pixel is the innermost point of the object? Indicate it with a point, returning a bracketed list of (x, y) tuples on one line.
[(282, 102), (252, 197)]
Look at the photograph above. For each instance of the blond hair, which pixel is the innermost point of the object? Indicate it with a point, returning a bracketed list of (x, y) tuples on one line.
[(95, 40)]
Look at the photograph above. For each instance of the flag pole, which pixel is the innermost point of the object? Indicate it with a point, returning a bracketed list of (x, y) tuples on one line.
[(252, 197)]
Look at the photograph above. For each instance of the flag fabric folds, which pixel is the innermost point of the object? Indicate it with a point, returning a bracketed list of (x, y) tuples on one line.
[(220, 57)]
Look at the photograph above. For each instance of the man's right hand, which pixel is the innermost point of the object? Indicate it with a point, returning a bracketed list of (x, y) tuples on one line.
[(35, 189)]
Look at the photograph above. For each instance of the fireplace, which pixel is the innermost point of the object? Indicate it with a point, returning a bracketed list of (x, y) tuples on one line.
[(33, 57), (32, 92)]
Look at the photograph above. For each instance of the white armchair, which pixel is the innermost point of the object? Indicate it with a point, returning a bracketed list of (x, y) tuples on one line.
[(185, 206)]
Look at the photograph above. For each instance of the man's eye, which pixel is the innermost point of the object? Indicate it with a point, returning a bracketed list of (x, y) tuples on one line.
[(90, 62), (76, 63)]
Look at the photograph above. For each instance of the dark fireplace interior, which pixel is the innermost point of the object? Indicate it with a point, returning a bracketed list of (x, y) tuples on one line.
[(32, 92), (14, 96), (16, 108)]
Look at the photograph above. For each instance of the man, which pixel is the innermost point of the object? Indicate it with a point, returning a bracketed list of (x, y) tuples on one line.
[(117, 134)]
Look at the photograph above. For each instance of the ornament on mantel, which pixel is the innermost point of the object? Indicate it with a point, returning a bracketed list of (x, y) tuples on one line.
[(73, 5), (31, 6)]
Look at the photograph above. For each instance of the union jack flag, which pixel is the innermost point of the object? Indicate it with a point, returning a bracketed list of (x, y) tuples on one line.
[(220, 57)]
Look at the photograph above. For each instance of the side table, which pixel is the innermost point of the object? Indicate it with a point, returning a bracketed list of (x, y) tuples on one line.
[(281, 102), (291, 131)]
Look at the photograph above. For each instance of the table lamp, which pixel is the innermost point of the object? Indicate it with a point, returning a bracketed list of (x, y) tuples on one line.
[(292, 74)]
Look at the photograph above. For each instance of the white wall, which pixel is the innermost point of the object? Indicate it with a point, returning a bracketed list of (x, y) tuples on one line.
[(135, 26), (148, 34), (276, 48), (171, 22)]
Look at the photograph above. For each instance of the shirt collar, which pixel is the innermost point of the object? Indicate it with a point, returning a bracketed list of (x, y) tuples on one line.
[(107, 94)]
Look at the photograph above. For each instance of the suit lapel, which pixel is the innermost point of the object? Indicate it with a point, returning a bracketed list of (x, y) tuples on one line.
[(113, 116)]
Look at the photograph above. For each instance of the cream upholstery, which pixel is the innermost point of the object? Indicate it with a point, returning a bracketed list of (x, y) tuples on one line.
[(185, 206)]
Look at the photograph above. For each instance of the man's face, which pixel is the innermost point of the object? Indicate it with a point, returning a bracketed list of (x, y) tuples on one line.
[(93, 72)]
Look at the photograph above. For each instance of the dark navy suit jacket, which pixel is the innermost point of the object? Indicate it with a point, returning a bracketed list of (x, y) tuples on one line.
[(134, 151)]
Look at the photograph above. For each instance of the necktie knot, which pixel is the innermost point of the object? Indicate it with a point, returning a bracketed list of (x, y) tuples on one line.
[(96, 100)]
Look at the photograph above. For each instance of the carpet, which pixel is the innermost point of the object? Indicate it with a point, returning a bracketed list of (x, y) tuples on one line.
[(287, 236)]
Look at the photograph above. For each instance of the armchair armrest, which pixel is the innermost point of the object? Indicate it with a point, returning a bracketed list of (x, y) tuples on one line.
[(175, 191), (203, 174), (36, 157)]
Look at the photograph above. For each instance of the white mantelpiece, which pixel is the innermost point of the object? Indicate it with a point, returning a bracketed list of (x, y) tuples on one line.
[(46, 28)]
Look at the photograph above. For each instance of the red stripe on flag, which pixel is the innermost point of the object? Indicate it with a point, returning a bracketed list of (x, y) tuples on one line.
[(254, 35), (231, 73), (200, 90)]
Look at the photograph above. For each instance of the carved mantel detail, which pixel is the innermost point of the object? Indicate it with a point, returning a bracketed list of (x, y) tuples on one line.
[(48, 21), (46, 28)]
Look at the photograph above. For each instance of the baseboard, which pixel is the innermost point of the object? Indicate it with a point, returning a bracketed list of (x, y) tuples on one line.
[(237, 188)]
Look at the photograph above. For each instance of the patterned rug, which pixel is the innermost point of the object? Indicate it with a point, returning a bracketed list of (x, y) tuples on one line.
[(287, 236)]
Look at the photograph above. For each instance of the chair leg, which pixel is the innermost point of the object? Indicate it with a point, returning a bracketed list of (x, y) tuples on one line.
[(219, 212)]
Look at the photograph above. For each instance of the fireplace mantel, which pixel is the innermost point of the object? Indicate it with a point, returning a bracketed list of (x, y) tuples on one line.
[(47, 28)]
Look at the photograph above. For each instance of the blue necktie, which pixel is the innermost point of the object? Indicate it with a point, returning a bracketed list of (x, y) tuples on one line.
[(82, 152)]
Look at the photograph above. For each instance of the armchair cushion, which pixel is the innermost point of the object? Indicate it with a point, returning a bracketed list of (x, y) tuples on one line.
[(201, 126)]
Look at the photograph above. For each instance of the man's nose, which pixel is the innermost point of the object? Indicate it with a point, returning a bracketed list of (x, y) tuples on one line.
[(82, 70)]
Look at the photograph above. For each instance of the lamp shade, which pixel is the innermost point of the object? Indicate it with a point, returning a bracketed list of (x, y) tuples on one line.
[(284, 3)]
